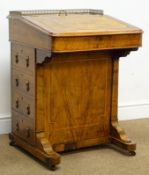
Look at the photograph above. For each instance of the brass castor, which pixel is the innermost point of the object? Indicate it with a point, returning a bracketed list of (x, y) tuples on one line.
[(51, 167), (12, 143), (132, 153)]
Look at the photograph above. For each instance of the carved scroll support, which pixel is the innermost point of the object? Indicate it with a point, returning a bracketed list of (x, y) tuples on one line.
[(44, 145), (42, 150), (118, 136)]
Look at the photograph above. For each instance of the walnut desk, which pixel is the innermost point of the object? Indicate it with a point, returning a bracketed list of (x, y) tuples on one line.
[(64, 67)]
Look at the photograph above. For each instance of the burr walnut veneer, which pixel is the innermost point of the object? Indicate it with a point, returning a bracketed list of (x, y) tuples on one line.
[(65, 80)]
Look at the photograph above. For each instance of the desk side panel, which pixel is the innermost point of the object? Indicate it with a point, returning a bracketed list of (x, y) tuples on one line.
[(25, 32), (75, 97)]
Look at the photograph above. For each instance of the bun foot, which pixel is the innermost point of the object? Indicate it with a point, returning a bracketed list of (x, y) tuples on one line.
[(12, 143), (132, 153), (52, 167)]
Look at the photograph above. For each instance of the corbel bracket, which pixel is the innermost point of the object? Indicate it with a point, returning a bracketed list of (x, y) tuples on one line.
[(43, 56), (122, 52)]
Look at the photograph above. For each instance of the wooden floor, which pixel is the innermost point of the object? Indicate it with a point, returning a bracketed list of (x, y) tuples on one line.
[(93, 161)]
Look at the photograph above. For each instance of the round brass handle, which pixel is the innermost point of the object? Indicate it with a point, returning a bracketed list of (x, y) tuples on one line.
[(28, 110), (27, 86), (17, 103), (17, 82), (17, 127), (28, 133), (17, 58), (27, 61)]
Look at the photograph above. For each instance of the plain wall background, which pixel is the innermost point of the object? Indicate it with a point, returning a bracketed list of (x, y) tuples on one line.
[(134, 69)]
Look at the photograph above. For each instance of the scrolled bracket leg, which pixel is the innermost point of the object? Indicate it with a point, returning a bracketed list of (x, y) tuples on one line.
[(52, 158), (119, 138)]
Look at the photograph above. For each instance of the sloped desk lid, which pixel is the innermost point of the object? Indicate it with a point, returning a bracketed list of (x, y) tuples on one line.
[(76, 22), (82, 29)]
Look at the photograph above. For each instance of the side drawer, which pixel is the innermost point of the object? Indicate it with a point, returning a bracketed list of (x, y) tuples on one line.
[(23, 104), (23, 57), (23, 82), (23, 127)]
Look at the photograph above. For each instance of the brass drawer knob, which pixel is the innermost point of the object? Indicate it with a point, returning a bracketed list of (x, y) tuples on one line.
[(28, 110), (17, 58), (27, 61), (17, 82), (17, 127), (17, 103), (27, 86)]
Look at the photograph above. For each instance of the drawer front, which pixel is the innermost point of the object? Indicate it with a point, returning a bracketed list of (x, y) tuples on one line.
[(23, 57), (23, 82), (23, 104), (23, 127)]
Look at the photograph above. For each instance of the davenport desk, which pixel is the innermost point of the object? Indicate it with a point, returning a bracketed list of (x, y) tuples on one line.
[(65, 80)]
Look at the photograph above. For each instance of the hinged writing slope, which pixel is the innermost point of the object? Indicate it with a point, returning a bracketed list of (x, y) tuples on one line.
[(65, 80), (90, 28)]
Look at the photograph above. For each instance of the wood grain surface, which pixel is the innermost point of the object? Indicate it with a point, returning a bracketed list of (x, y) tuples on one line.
[(64, 76), (77, 96), (78, 24)]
